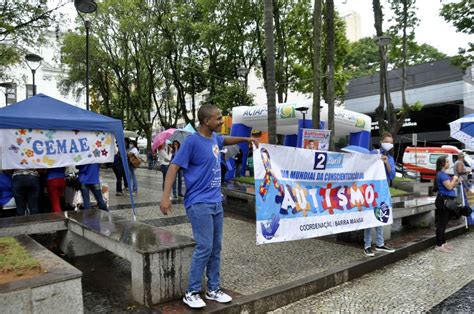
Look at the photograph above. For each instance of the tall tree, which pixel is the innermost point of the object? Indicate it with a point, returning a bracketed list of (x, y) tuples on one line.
[(270, 71), (461, 15), (316, 112), (405, 22), (385, 97), (363, 57), (22, 23), (330, 54)]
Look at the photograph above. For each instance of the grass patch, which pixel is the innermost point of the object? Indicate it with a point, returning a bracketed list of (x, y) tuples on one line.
[(403, 179), (248, 180), (15, 258), (397, 192)]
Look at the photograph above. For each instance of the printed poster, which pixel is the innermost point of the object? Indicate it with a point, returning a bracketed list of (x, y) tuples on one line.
[(315, 139), (303, 194), (33, 148)]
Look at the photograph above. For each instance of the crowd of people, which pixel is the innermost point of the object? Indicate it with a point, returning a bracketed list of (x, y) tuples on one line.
[(43, 190), (200, 161)]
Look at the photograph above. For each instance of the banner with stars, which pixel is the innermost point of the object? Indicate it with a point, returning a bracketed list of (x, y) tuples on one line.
[(303, 194), (32, 148)]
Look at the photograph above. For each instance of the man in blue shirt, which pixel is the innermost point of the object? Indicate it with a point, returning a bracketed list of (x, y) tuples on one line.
[(389, 163), (199, 157)]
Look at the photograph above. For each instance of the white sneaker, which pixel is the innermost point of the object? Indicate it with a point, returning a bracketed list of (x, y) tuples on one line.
[(193, 300), (219, 296)]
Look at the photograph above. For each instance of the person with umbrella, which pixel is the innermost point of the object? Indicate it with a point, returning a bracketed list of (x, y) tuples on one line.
[(199, 157), (176, 145)]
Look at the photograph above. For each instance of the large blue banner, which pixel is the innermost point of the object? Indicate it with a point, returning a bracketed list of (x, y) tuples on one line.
[(303, 194)]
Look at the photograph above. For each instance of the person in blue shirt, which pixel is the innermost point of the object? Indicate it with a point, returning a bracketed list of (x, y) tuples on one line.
[(446, 187), (199, 158), (89, 178), (386, 145)]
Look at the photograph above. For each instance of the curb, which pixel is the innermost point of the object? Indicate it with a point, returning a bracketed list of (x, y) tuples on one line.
[(277, 297)]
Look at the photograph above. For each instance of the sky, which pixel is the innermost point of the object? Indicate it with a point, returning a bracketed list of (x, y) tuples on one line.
[(433, 29)]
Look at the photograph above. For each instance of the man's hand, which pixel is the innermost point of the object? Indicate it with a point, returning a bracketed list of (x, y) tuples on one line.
[(384, 158), (165, 205), (253, 141)]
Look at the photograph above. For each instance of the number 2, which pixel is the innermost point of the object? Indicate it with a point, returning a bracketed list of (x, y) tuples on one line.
[(320, 161)]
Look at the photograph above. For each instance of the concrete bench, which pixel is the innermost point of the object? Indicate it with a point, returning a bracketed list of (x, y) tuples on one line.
[(159, 259), (40, 223)]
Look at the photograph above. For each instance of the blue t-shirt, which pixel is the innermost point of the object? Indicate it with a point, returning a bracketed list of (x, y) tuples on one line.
[(200, 160), (89, 174), (56, 173), (440, 178), (391, 162)]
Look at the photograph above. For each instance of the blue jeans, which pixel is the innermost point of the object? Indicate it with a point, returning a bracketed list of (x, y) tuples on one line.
[(178, 179), (133, 184), (95, 189), (207, 222), (378, 237), (26, 191)]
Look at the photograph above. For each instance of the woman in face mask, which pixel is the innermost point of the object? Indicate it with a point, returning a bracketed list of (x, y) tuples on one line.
[(386, 144), (389, 163)]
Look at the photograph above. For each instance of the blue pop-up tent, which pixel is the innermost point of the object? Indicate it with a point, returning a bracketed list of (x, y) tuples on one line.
[(46, 113)]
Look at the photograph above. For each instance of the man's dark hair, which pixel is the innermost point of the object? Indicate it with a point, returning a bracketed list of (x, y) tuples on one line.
[(205, 112)]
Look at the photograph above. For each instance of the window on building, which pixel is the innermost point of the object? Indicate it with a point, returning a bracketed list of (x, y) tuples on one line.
[(29, 90), (11, 94)]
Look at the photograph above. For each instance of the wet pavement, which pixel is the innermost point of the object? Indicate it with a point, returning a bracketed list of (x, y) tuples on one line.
[(246, 267), (415, 284), (460, 302)]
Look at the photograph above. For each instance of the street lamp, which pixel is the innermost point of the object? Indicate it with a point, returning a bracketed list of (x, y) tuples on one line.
[(383, 42), (7, 86), (86, 7), (33, 61), (303, 110)]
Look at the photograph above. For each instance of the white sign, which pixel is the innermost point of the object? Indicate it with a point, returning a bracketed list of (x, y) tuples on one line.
[(302, 193), (32, 148), (316, 139)]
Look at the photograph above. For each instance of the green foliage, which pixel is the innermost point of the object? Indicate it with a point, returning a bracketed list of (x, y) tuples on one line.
[(363, 57), (228, 96), (297, 21), (21, 26), (461, 15)]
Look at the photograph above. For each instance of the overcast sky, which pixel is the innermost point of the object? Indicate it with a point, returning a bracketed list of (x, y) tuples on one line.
[(433, 29)]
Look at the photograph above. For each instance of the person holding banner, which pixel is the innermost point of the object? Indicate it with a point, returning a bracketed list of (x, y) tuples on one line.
[(199, 158), (446, 187), (389, 164)]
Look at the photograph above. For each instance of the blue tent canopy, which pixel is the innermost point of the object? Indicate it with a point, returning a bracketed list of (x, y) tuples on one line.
[(47, 113)]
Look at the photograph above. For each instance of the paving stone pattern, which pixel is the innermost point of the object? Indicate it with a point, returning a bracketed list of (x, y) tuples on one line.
[(246, 268), (415, 284)]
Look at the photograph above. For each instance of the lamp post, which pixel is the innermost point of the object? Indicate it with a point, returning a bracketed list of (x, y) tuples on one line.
[(383, 42), (7, 86), (33, 61), (303, 110), (86, 7)]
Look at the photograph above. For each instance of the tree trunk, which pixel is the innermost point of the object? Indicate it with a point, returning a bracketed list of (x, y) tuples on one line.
[(270, 65), (330, 54), (280, 57), (380, 111), (316, 115)]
